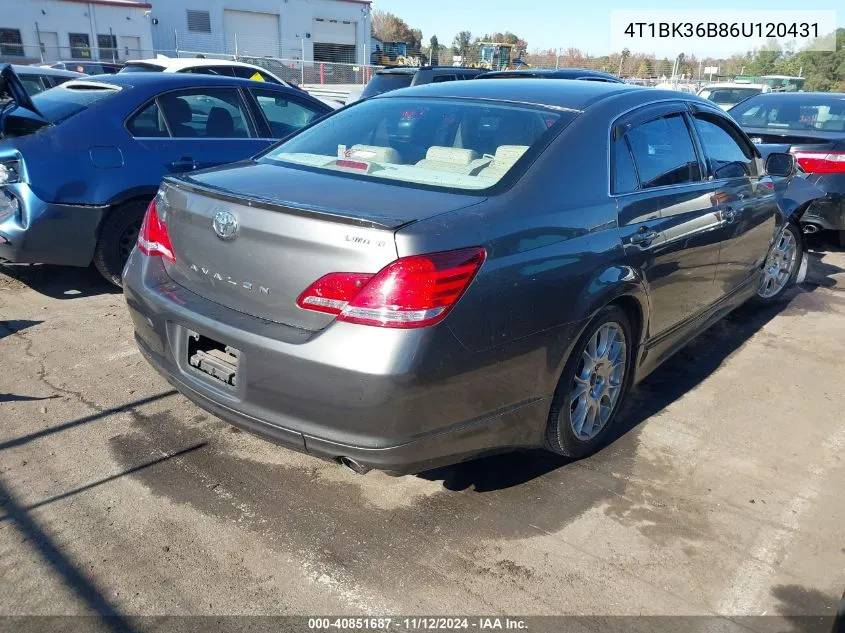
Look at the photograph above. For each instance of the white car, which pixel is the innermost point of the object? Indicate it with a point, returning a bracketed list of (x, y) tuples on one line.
[(727, 95), (206, 66)]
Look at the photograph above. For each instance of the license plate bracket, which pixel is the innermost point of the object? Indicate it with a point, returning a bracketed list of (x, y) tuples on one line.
[(216, 360)]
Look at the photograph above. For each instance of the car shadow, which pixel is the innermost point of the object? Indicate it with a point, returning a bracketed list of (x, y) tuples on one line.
[(60, 282), (7, 328), (677, 376)]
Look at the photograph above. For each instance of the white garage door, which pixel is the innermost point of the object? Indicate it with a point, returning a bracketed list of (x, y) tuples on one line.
[(255, 33), (333, 32)]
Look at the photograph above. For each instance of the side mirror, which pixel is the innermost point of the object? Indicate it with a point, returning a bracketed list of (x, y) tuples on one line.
[(780, 164)]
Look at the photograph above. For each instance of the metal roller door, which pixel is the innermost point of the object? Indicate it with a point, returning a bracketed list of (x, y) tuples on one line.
[(254, 33)]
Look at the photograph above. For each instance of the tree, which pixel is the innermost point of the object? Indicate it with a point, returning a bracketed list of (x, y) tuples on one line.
[(825, 70), (463, 46), (625, 55), (389, 28), (434, 55)]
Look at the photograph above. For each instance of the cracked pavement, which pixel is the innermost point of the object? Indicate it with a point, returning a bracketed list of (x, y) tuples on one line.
[(722, 494)]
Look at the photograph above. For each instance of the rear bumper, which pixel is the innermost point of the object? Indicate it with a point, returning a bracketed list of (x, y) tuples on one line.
[(396, 400), (828, 212), (48, 233)]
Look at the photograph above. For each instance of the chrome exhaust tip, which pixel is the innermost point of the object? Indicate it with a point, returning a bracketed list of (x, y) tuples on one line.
[(810, 229), (354, 466)]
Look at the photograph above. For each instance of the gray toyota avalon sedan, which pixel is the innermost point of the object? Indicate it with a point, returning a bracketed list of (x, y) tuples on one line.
[(459, 268)]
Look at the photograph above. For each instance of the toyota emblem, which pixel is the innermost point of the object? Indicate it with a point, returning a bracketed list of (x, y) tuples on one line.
[(225, 225)]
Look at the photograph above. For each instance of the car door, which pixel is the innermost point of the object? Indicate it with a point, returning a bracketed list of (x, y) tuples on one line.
[(667, 213), (747, 207), (196, 128), (282, 113)]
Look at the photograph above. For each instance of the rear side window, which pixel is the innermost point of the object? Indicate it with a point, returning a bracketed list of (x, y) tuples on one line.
[(253, 73), (205, 113), (663, 152), (726, 151), (148, 123), (386, 82), (441, 78), (221, 71)]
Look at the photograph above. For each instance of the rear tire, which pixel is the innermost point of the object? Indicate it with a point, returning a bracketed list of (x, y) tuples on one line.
[(589, 393), (782, 266), (117, 239)]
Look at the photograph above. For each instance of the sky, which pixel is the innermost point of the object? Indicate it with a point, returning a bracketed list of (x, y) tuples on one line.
[(564, 23)]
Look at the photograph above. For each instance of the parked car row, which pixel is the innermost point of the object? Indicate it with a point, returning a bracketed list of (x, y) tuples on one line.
[(71, 206), (429, 275)]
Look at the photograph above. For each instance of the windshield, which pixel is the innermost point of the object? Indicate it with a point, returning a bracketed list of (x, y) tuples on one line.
[(447, 143), (729, 96), (385, 82), (793, 112), (62, 103)]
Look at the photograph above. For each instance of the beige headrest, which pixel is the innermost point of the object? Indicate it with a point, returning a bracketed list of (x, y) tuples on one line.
[(451, 155), (375, 153), (510, 153)]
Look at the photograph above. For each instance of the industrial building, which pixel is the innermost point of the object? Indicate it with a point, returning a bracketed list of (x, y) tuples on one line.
[(311, 30)]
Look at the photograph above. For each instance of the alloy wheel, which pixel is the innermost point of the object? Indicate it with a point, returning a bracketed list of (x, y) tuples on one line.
[(598, 381), (779, 265)]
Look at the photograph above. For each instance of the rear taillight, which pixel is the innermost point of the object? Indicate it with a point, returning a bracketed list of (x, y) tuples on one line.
[(153, 239), (410, 292), (821, 162)]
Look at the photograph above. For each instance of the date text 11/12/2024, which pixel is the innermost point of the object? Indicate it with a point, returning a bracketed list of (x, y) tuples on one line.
[(417, 624)]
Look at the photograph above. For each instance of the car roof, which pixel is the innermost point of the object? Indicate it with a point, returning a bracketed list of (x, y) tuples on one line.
[(172, 80), (551, 73), (572, 94), (181, 63), (41, 71)]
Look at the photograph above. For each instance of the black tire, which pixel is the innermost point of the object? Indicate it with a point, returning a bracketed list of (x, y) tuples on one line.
[(117, 239), (560, 435), (793, 274)]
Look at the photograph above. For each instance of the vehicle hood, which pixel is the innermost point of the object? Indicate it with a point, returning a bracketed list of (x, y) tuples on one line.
[(11, 89), (366, 203)]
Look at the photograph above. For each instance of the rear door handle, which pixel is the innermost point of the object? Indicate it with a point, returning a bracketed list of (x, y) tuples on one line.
[(186, 163), (644, 237)]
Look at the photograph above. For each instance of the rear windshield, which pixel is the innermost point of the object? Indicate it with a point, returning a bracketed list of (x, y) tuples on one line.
[(386, 82), (62, 103), (444, 143), (141, 68), (792, 112), (729, 96)]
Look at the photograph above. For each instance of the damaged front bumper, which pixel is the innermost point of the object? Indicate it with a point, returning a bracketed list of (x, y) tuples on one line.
[(34, 231)]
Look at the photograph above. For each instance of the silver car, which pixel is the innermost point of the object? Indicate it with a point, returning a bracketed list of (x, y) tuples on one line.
[(459, 268)]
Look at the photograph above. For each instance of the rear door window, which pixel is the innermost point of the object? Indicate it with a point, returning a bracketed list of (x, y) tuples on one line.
[(441, 78), (622, 163), (205, 113), (663, 152)]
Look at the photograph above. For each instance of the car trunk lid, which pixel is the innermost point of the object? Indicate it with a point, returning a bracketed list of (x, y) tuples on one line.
[(293, 227)]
